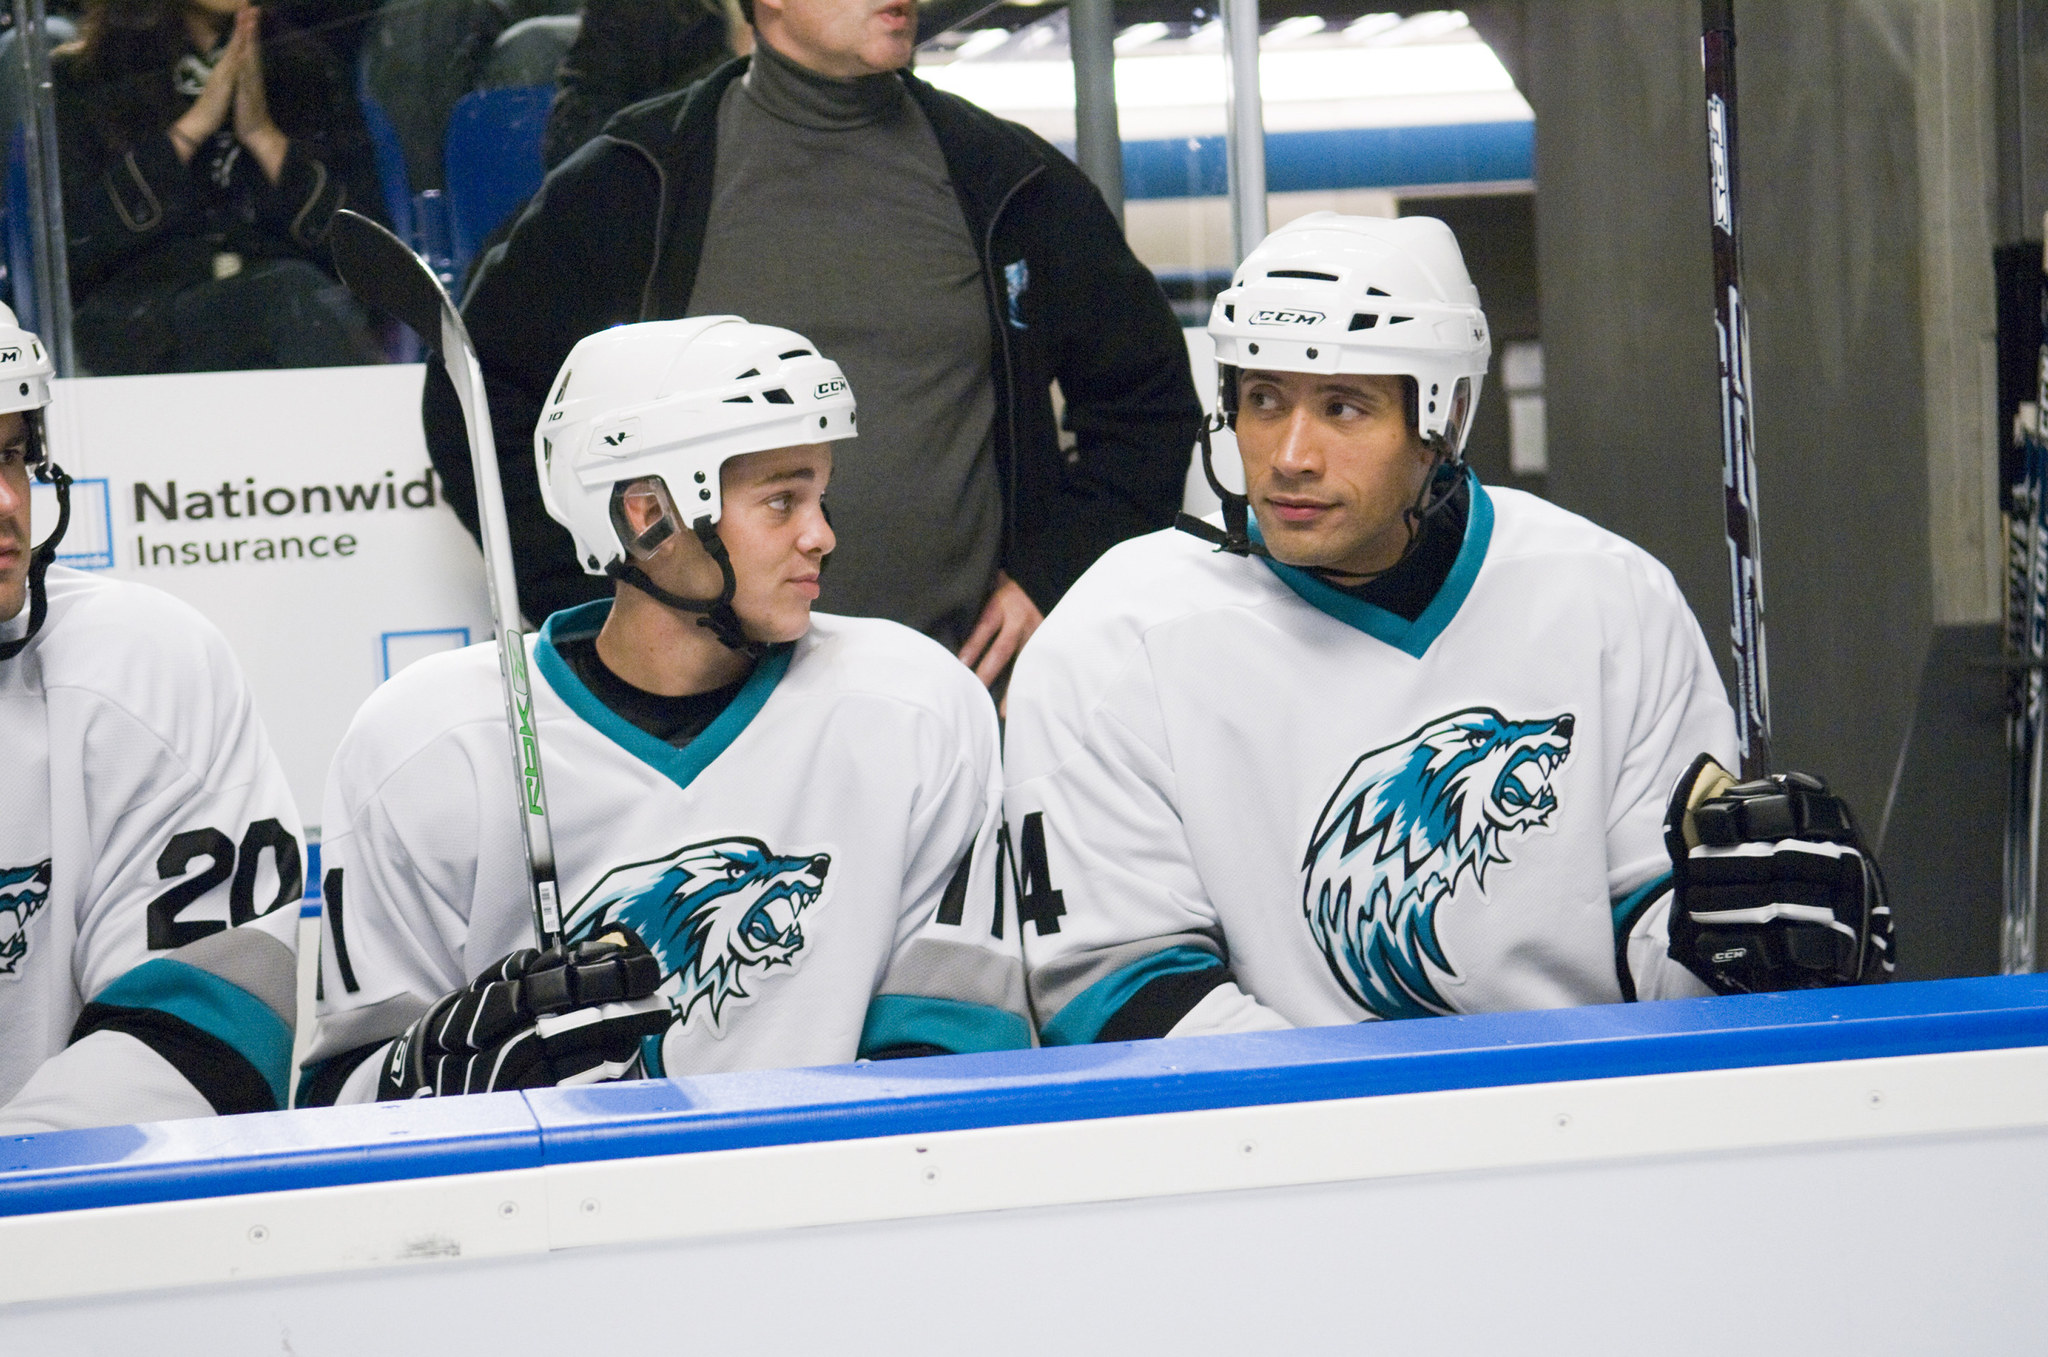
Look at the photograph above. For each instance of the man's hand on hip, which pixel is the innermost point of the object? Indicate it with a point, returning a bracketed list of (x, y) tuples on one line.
[(1007, 621)]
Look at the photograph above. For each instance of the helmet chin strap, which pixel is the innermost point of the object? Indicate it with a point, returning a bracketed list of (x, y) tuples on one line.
[(46, 554), (1235, 535), (1439, 485), (717, 615)]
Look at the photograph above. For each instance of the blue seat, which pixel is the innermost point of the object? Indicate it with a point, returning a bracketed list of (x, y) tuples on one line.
[(392, 181), (493, 162), (19, 263), (17, 257), (416, 219)]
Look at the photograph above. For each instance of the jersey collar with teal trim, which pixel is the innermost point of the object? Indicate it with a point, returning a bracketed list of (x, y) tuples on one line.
[(1411, 638), (680, 766)]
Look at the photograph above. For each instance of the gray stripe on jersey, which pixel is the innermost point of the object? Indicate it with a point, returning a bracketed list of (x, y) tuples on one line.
[(936, 969), (1057, 983), (334, 1033), (250, 960)]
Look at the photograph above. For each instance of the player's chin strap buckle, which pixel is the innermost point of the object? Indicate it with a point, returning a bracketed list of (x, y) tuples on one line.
[(1235, 535), (45, 555), (718, 616)]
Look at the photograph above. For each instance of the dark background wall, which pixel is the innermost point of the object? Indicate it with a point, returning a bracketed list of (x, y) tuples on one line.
[(1832, 233), (1830, 216), (1497, 235)]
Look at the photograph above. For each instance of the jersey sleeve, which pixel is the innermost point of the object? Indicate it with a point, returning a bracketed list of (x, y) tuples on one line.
[(1120, 938), (187, 933), (400, 866), (1681, 711), (955, 978)]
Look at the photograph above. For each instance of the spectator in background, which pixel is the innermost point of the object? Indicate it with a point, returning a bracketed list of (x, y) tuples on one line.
[(205, 151), (956, 264), (629, 50)]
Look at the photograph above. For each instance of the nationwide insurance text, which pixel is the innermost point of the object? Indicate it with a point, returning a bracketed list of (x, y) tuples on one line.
[(266, 529)]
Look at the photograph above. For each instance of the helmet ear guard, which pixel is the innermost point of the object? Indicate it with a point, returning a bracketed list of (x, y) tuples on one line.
[(1455, 424), (642, 543)]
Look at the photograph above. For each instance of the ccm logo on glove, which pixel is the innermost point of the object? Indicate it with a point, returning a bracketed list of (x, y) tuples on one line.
[(1772, 887)]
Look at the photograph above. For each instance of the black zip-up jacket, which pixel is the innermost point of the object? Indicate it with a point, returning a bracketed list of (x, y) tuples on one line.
[(615, 234)]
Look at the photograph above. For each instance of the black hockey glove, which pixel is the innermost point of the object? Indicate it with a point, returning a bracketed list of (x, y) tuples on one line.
[(532, 1020), (1772, 888)]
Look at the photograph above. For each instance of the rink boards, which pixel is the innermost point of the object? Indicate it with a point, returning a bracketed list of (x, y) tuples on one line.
[(1854, 1171)]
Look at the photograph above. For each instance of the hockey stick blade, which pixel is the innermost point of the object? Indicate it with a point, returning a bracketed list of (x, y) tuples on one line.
[(379, 268), (385, 274)]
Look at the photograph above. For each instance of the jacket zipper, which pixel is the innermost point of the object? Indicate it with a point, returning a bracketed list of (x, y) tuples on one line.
[(1000, 314)]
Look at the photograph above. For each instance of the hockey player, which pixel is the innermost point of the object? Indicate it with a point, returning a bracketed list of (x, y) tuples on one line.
[(149, 848), (780, 825), (1389, 743)]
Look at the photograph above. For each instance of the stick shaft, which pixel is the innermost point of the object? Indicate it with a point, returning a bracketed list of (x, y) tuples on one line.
[(2027, 641), (496, 536), (382, 270), (2019, 814), (1738, 445)]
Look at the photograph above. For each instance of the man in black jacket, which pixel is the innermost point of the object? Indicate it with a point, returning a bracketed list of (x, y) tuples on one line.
[(954, 264)]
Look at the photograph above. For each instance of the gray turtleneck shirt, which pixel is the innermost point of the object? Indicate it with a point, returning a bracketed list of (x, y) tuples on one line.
[(832, 215)]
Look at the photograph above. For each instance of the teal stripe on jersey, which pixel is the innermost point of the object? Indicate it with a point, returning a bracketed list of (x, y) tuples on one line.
[(1411, 638), (680, 766), (1089, 1011), (1636, 903), (1628, 912), (959, 1027), (226, 1012)]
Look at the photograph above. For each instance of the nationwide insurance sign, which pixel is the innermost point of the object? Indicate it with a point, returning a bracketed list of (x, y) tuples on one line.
[(296, 510), (258, 506)]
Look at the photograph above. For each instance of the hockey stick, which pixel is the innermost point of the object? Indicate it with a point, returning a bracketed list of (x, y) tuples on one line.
[(385, 274), (2027, 648), (1738, 441), (2019, 686)]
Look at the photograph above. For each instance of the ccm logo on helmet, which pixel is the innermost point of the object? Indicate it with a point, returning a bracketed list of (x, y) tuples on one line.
[(10, 355), (1287, 318), (831, 388)]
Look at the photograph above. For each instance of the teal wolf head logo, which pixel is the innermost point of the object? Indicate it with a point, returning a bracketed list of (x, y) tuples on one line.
[(23, 893), (1407, 822), (710, 913)]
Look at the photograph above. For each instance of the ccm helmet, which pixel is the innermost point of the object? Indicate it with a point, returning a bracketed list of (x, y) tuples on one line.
[(673, 400), (25, 373), (1369, 295), (1373, 295)]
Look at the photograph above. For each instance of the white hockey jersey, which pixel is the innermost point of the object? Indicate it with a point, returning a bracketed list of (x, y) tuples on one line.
[(1228, 779), (149, 867), (815, 870)]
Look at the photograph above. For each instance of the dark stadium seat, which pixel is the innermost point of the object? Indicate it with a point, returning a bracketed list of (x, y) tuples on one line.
[(492, 160)]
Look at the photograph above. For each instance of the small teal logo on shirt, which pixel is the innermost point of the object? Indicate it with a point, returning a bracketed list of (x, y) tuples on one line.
[(1017, 277)]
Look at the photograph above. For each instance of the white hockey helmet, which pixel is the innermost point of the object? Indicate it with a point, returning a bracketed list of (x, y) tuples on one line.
[(675, 399), (1375, 295), (25, 372), (25, 366)]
